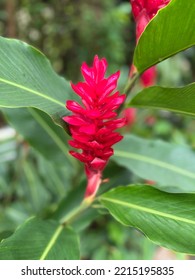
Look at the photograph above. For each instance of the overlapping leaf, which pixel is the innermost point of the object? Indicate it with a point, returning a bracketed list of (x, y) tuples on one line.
[(39, 130), (170, 165), (178, 100), (40, 240), (27, 80), (167, 219), (170, 31)]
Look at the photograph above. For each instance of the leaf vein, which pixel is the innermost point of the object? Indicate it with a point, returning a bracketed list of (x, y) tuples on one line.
[(154, 162), (51, 242), (148, 210), (32, 91)]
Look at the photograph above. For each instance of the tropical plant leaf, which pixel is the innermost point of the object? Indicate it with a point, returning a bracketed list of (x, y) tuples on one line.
[(170, 31), (27, 80), (178, 100), (167, 219), (40, 131), (40, 240), (171, 166)]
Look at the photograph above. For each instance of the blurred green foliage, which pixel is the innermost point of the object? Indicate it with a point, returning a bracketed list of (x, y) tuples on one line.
[(70, 31)]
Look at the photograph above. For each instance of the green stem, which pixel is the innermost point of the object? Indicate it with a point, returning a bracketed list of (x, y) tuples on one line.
[(130, 83), (75, 213)]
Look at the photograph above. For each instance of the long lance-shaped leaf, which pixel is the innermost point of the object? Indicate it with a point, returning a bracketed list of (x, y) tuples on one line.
[(28, 80), (166, 219), (170, 31), (40, 240), (41, 132), (178, 100), (171, 166)]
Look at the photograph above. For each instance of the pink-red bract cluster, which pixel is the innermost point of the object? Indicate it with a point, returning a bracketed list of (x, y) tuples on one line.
[(93, 124)]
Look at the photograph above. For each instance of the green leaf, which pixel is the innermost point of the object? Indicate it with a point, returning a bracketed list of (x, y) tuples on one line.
[(166, 219), (179, 100), (40, 240), (5, 234), (28, 80), (170, 31), (59, 181), (40, 131), (170, 165), (33, 189)]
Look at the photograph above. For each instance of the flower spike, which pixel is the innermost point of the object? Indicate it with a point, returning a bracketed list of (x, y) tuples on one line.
[(92, 124)]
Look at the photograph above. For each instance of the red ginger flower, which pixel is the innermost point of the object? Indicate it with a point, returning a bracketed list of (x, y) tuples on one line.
[(92, 125)]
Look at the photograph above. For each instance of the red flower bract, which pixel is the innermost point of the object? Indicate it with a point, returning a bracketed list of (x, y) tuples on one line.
[(93, 123)]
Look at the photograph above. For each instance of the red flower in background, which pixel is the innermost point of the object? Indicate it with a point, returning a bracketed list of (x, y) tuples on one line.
[(151, 7), (93, 123), (148, 78), (143, 11), (130, 115)]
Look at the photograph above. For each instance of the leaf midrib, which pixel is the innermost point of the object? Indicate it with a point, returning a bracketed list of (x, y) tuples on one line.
[(137, 57), (154, 162), (142, 69), (148, 210), (32, 91), (157, 107), (51, 242)]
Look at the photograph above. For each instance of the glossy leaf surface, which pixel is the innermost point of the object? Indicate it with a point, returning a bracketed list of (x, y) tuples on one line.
[(170, 165), (28, 80), (167, 219), (40, 240), (178, 100), (170, 31)]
